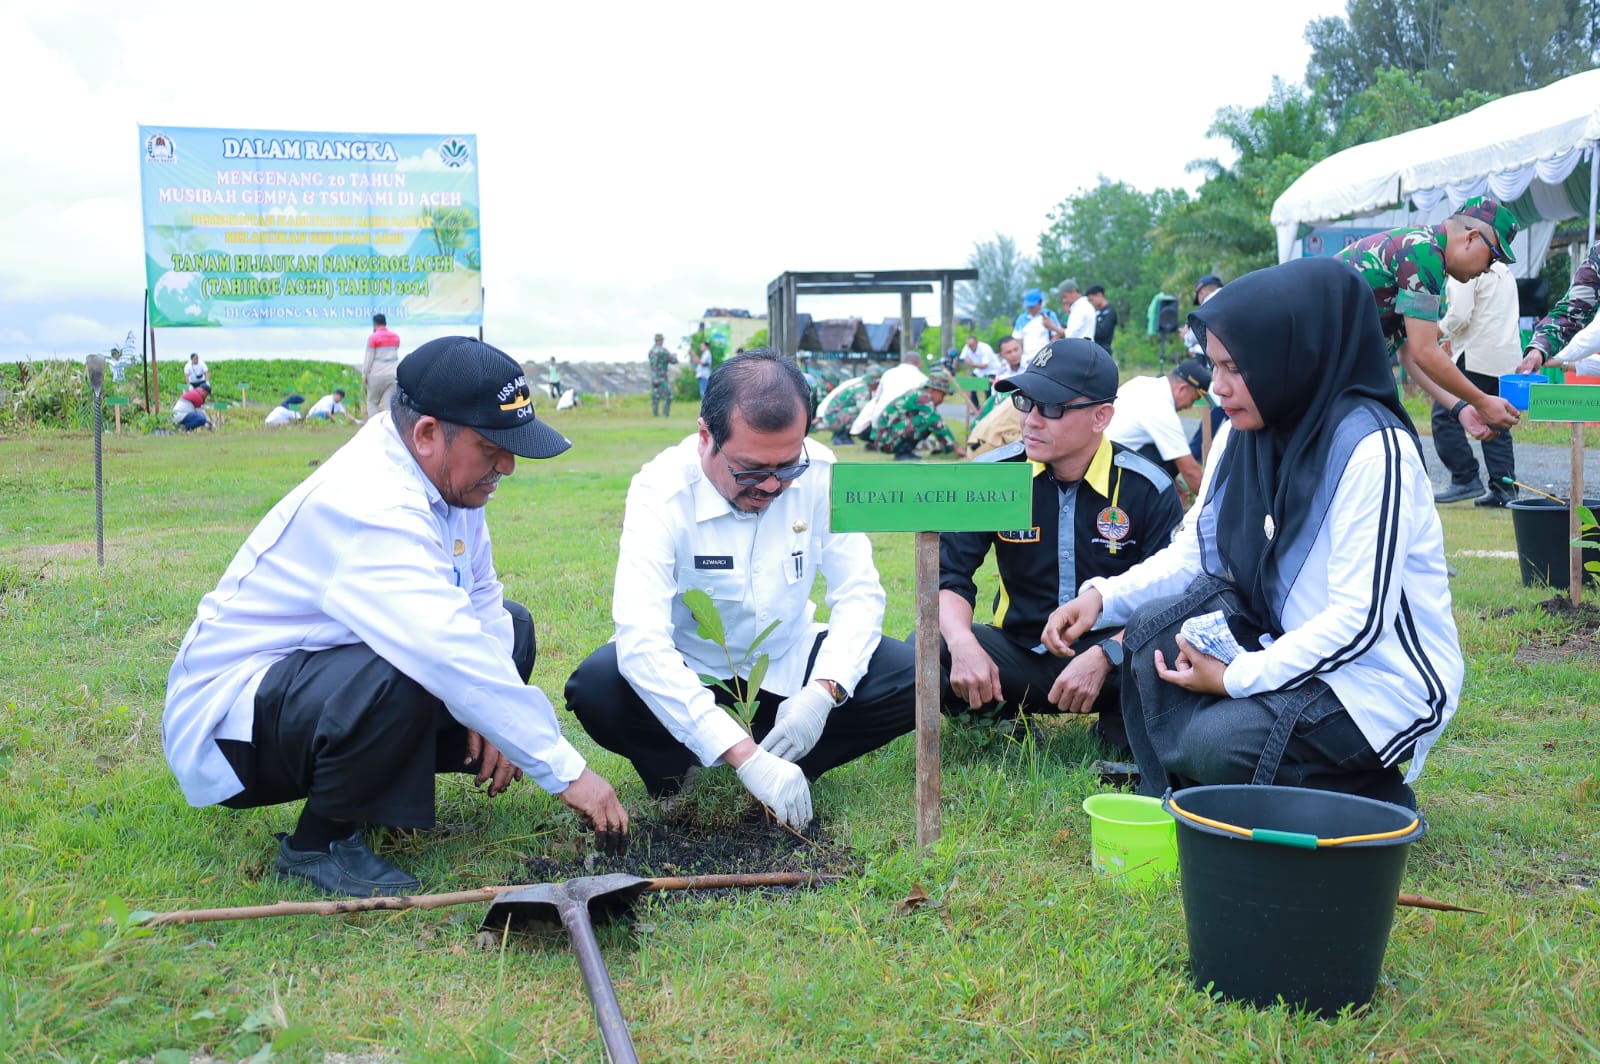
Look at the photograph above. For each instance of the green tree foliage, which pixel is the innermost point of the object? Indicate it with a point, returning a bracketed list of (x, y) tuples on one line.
[(1002, 276), (1106, 236), (1225, 228), (1395, 102), (1451, 46)]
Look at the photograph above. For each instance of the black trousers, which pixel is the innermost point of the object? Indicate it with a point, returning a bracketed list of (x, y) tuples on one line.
[(1303, 737), (883, 707), (1026, 679), (354, 736), (1450, 440)]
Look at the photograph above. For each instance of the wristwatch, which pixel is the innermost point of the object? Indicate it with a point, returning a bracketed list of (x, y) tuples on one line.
[(1114, 652), (835, 691)]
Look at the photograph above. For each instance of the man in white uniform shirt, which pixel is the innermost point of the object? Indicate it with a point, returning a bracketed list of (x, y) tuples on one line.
[(359, 641), (980, 361), (1479, 331), (1147, 420), (741, 511), (1078, 314)]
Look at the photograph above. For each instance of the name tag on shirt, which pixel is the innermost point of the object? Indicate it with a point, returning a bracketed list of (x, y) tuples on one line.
[(713, 561)]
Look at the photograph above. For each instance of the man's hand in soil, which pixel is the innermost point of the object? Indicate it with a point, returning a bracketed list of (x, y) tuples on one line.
[(494, 767), (779, 785), (801, 718), (593, 799)]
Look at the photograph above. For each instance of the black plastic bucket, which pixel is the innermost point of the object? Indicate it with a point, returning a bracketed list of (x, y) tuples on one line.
[(1540, 526), (1273, 913)]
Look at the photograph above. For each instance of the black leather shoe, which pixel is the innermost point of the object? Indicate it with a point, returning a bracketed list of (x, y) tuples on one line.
[(907, 456), (1460, 492), (348, 870), (1117, 773), (842, 439), (1495, 497)]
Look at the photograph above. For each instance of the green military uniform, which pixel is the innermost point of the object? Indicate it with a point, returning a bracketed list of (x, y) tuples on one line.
[(843, 406), (661, 361), (1575, 309), (1405, 270), (909, 420)]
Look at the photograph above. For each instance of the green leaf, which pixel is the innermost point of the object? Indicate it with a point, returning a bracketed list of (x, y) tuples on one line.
[(706, 616), (759, 672), (1586, 517), (758, 639)]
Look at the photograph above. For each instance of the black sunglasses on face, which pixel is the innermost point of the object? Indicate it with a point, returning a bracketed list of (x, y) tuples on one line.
[(1050, 411), (1495, 254), (749, 478)]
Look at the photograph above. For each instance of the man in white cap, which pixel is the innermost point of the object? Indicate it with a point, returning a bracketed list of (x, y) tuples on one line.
[(360, 641)]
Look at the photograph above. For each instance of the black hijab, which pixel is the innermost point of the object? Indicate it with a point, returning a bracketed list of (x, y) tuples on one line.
[(1306, 338)]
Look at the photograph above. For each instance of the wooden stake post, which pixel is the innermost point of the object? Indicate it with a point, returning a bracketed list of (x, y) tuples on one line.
[(1575, 403), (928, 500)]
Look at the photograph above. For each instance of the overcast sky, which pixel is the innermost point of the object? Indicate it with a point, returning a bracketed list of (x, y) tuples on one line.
[(639, 163)]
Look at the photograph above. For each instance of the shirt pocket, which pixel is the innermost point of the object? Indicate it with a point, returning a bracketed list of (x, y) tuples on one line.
[(723, 585)]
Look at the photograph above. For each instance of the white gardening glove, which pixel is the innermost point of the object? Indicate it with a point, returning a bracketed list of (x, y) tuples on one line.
[(779, 785), (799, 723)]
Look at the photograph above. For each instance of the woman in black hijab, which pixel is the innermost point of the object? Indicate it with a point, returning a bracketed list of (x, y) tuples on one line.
[(1298, 630)]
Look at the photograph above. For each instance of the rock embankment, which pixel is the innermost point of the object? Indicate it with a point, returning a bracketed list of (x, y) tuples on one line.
[(596, 378)]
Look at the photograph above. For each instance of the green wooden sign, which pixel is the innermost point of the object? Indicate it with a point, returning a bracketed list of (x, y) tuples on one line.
[(220, 406), (965, 497), (973, 384), (115, 400), (1564, 402)]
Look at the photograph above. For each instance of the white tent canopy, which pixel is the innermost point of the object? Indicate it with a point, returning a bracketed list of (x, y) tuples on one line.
[(1523, 150)]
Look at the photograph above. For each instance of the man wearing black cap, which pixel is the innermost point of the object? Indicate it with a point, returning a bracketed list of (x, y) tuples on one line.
[(1147, 418), (1098, 510), (360, 642)]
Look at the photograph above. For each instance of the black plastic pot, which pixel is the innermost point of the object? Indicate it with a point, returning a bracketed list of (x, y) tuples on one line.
[(1276, 915), (1540, 526)]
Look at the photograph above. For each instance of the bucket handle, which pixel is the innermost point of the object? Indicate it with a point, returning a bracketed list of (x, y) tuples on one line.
[(1297, 839)]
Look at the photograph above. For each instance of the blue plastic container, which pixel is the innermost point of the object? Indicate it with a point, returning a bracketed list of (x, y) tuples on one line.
[(1514, 387)]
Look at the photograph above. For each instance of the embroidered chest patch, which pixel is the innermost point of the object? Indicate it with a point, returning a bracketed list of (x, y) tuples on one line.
[(1112, 523)]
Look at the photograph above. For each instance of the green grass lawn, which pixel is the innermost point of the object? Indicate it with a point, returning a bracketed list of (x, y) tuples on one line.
[(1022, 955)]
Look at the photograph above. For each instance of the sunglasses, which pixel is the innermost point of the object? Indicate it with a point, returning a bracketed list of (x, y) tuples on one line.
[(1495, 254), (1050, 411), (749, 478)]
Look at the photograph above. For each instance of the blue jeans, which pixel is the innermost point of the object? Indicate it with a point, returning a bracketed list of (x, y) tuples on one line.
[(1301, 737)]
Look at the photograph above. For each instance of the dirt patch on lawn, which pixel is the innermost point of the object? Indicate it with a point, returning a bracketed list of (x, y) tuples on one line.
[(1577, 635), (661, 844)]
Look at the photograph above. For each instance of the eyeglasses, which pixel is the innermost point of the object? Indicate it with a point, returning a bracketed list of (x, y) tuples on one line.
[(1495, 254), (1050, 411), (749, 478)]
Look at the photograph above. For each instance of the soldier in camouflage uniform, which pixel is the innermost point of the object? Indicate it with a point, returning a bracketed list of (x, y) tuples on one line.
[(914, 417), (660, 380), (1576, 310), (1406, 268), (840, 407)]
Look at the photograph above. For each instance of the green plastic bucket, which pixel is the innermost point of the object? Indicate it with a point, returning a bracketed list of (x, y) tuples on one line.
[(1289, 892), (1133, 838)]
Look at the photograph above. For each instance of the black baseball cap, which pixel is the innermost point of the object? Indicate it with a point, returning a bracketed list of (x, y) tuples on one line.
[(466, 381), (1194, 373), (1065, 370)]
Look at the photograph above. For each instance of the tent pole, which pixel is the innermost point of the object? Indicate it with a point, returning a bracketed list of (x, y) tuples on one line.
[(1594, 185)]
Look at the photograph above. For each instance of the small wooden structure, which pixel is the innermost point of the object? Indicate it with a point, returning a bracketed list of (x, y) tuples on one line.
[(783, 324)]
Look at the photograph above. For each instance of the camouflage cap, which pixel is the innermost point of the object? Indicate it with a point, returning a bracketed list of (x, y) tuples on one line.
[(940, 380), (1499, 218), (874, 372)]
